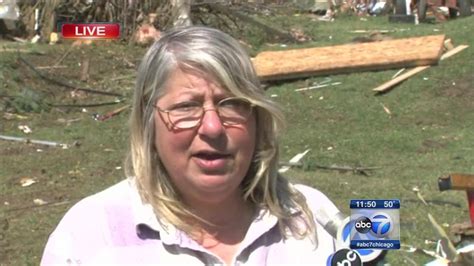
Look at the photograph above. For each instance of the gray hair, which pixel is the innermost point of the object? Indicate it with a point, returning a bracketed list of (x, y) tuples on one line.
[(217, 55)]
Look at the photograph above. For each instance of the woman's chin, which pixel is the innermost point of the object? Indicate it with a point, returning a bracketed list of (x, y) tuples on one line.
[(214, 182)]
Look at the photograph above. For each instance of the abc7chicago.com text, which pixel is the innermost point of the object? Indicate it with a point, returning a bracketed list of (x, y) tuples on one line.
[(371, 244)]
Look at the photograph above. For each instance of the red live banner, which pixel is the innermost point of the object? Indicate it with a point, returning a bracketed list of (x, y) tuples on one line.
[(90, 30)]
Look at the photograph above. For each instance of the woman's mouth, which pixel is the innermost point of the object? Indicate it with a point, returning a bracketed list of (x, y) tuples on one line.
[(211, 161)]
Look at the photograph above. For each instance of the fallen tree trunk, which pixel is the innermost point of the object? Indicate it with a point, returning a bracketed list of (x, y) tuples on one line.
[(299, 63)]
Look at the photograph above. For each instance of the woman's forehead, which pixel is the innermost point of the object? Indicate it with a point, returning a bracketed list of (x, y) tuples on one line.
[(187, 82)]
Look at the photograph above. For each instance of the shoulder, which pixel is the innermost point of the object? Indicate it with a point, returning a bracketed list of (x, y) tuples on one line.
[(322, 207), (94, 222), (314, 197), (116, 191), (323, 211), (112, 199)]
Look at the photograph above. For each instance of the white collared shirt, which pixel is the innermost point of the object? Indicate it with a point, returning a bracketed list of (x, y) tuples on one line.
[(114, 227)]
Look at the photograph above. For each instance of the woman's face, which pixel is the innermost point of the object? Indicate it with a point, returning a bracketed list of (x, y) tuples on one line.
[(206, 163)]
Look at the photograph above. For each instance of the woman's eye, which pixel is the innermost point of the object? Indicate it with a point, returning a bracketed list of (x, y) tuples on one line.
[(235, 103), (185, 106)]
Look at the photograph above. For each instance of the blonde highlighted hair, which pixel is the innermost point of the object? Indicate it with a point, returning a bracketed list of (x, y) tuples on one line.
[(219, 56)]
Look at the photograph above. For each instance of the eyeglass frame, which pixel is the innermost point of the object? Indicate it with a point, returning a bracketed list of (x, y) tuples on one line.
[(204, 110)]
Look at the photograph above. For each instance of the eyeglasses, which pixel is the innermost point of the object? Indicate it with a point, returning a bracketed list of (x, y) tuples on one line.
[(189, 114)]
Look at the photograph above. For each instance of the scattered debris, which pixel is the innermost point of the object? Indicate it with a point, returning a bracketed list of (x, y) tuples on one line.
[(110, 114), (88, 104), (27, 181), (374, 36), (341, 168), (63, 84), (463, 234), (398, 73), (68, 51), (129, 64), (418, 194), (9, 10), (39, 202), (35, 39), (234, 15), (385, 108), (298, 63), (129, 76), (146, 34), (390, 84), (25, 129), (446, 253), (299, 35), (68, 122), (325, 83), (50, 67), (447, 248), (53, 38), (296, 159), (381, 31), (85, 70), (457, 181), (40, 142), (329, 16), (412, 249), (18, 50), (448, 44)]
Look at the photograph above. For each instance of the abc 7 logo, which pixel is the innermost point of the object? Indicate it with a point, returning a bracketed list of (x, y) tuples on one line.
[(346, 257), (379, 225)]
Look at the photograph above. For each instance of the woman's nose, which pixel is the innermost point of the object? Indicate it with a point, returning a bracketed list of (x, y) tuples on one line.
[(211, 124)]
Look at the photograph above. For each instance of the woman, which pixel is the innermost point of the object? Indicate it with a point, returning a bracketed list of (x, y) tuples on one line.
[(203, 184)]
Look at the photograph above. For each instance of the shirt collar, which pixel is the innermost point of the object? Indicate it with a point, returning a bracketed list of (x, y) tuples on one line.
[(147, 224), (142, 212), (145, 219)]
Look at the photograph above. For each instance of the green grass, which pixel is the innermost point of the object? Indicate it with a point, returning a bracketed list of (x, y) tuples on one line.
[(427, 135)]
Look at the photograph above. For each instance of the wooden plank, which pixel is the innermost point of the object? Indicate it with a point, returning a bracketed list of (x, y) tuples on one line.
[(453, 51), (389, 84), (399, 53)]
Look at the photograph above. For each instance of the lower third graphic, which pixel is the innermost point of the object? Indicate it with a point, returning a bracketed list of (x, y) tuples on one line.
[(375, 228)]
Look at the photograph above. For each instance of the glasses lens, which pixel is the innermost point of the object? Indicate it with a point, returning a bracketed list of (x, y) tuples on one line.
[(185, 115), (187, 122), (234, 111)]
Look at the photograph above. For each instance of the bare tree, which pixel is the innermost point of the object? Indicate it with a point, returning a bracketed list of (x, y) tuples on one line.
[(181, 12)]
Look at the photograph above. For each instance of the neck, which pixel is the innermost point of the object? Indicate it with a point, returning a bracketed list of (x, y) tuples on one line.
[(227, 222), (226, 212)]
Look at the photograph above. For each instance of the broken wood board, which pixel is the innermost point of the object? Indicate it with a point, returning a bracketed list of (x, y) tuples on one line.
[(389, 84), (299, 63)]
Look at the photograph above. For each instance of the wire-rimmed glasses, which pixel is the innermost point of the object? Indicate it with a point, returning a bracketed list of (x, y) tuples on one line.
[(189, 114)]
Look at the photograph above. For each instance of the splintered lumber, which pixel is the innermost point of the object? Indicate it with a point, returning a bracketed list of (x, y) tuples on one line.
[(40, 142), (388, 54), (389, 84)]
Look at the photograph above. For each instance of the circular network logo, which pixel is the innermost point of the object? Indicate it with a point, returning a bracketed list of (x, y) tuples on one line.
[(381, 225), (363, 225), (346, 257)]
